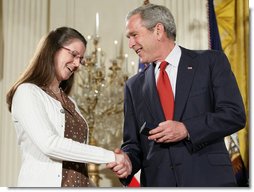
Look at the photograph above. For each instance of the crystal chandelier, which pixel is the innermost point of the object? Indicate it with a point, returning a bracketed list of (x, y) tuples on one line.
[(99, 95)]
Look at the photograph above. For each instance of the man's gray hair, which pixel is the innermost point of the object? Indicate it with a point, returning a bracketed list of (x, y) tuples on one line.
[(152, 14)]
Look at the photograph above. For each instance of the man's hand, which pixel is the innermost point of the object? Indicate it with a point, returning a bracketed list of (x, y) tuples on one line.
[(122, 166), (168, 131)]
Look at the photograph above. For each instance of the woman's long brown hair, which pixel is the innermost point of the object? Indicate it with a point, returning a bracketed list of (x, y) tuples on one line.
[(41, 69)]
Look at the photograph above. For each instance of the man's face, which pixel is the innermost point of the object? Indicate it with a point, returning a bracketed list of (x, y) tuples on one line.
[(141, 40)]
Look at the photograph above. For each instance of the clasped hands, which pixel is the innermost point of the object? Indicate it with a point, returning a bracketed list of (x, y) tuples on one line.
[(122, 166)]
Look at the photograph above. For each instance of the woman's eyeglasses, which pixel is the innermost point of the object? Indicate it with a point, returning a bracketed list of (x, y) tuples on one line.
[(75, 54)]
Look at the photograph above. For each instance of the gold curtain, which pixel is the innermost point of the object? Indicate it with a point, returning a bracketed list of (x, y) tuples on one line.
[(233, 23)]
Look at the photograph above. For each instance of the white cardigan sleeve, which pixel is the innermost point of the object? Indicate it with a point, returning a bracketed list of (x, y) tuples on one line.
[(28, 109)]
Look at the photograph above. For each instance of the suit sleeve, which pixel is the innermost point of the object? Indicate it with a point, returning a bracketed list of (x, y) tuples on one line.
[(130, 135), (227, 115)]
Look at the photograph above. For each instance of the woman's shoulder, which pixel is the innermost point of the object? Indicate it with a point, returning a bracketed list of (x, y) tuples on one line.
[(26, 95), (28, 88)]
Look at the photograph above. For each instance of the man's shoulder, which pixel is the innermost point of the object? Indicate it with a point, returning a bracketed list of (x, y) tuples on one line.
[(135, 78), (201, 53), (137, 81)]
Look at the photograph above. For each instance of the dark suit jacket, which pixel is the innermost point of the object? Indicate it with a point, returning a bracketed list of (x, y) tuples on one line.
[(207, 101)]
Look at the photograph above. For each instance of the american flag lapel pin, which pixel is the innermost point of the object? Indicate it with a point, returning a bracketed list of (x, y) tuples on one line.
[(189, 67)]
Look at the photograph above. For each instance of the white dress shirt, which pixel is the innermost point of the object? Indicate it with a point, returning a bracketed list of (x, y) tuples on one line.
[(173, 61)]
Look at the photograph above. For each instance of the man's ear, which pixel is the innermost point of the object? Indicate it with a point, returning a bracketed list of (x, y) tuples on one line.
[(159, 30)]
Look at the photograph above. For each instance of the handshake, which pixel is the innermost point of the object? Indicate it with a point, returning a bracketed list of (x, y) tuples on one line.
[(122, 166)]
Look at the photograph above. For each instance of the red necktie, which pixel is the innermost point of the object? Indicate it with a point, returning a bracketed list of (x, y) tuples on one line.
[(165, 92)]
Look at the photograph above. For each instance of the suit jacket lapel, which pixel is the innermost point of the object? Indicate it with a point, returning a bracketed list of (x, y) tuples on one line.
[(151, 96), (185, 75)]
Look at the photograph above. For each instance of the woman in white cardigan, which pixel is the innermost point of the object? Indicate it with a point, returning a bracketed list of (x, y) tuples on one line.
[(51, 131)]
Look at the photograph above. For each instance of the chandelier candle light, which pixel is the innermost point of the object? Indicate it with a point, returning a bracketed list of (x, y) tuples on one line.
[(97, 25)]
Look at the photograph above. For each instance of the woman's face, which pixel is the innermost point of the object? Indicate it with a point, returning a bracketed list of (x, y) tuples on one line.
[(68, 59)]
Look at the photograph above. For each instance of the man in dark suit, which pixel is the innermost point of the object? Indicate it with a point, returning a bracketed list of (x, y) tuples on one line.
[(189, 149)]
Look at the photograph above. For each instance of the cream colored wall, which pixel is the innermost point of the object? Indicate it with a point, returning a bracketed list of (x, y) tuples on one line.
[(25, 21)]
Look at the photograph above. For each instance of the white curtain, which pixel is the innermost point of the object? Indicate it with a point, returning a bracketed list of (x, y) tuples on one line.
[(25, 21)]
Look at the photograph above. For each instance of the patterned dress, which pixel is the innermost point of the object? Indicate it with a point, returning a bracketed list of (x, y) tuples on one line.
[(74, 174)]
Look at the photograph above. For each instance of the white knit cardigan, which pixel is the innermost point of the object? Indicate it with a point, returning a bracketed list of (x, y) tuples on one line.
[(40, 122)]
